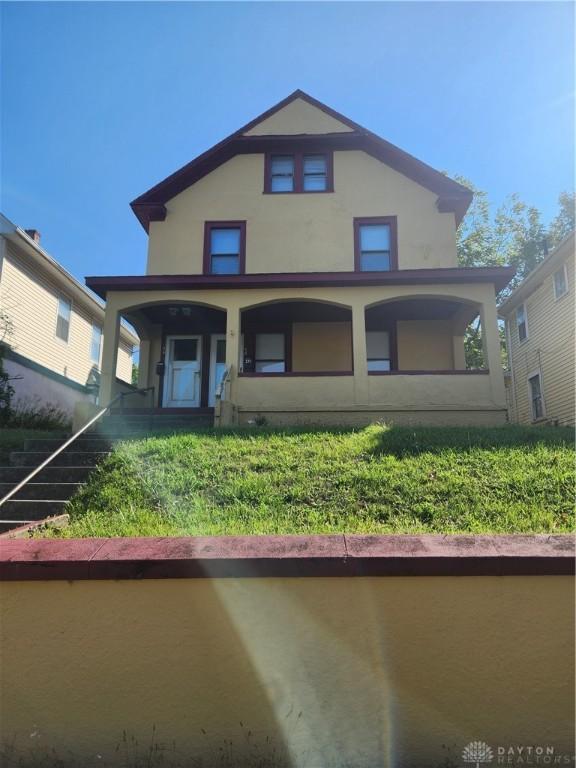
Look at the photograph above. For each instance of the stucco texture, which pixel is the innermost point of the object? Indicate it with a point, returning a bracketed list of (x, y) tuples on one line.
[(329, 672), (302, 232)]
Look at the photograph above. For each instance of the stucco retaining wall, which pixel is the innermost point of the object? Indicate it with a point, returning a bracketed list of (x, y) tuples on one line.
[(305, 652)]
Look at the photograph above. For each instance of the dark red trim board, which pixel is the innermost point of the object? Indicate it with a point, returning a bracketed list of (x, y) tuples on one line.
[(499, 276), (289, 556)]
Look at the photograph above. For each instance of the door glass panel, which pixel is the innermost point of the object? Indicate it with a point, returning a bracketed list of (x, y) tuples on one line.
[(221, 351), (184, 349)]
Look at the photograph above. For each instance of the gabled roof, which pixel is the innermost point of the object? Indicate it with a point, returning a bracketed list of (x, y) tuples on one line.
[(451, 196)]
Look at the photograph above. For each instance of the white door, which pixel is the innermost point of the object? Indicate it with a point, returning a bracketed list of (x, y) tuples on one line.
[(217, 364), (182, 373)]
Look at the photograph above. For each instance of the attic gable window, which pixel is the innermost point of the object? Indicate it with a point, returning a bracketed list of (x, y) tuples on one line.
[(224, 247), (298, 172), (375, 244)]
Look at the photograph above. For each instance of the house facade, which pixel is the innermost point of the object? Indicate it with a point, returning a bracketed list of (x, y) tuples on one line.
[(311, 267), (54, 350), (539, 316)]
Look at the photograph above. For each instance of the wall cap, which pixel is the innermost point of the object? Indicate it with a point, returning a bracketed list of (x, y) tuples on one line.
[(286, 556)]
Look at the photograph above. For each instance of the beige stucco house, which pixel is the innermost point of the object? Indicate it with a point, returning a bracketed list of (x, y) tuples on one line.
[(539, 317), (55, 348), (310, 267)]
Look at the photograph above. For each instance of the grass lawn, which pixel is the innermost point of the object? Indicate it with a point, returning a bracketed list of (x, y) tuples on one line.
[(374, 480), (12, 439)]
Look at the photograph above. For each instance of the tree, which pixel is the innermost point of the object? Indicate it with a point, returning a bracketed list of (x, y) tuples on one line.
[(514, 235)]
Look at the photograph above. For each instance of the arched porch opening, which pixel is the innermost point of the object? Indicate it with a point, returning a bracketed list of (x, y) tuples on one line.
[(182, 352), (295, 337), (420, 334)]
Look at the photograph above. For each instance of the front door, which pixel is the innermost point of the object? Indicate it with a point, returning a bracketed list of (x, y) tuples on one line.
[(182, 374)]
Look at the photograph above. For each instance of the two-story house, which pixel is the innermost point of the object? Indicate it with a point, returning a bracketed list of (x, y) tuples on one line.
[(539, 316), (54, 348), (313, 265)]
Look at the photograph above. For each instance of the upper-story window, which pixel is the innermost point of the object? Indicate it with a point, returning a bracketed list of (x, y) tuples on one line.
[(560, 282), (521, 323), (63, 318), (224, 247), (375, 244), (298, 172), (96, 343)]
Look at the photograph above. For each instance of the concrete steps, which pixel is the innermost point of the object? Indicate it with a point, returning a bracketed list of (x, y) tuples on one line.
[(48, 493)]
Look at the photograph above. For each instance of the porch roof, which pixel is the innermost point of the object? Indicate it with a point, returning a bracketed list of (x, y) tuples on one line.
[(499, 276)]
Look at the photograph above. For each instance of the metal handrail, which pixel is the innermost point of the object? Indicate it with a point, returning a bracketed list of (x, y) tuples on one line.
[(70, 440), (222, 385)]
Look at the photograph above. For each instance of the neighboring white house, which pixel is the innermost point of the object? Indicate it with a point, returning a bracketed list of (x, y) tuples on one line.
[(55, 347)]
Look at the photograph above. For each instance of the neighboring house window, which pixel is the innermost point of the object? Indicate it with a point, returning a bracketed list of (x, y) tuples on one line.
[(298, 172), (96, 343), (536, 398), (63, 319), (521, 323), (378, 351), (270, 353), (375, 244), (224, 247), (560, 282)]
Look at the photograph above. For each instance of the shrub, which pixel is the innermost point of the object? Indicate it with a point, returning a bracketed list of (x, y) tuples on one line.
[(33, 414)]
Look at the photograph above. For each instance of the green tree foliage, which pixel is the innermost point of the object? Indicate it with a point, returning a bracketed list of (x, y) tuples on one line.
[(513, 234)]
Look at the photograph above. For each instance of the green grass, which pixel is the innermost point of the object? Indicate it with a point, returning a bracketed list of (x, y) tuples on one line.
[(374, 480), (12, 439)]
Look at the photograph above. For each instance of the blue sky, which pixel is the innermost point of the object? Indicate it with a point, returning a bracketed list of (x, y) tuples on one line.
[(100, 101)]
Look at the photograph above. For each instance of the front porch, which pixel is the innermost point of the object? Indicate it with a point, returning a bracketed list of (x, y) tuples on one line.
[(302, 359)]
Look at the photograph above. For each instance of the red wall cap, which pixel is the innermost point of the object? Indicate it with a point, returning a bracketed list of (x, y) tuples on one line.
[(293, 556)]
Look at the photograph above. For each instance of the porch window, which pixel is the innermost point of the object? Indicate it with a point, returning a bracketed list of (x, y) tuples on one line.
[(378, 351), (96, 343), (521, 323), (536, 398), (270, 353), (224, 248), (560, 283), (63, 318), (375, 244)]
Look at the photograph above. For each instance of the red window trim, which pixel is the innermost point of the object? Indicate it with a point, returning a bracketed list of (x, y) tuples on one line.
[(298, 156), (208, 227), (392, 222)]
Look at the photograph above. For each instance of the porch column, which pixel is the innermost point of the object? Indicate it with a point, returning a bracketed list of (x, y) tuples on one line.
[(491, 346), (109, 352), (232, 345), (361, 391), (144, 363)]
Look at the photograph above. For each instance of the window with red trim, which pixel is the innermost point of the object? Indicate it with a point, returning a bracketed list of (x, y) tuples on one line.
[(375, 244), (298, 172), (224, 247)]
